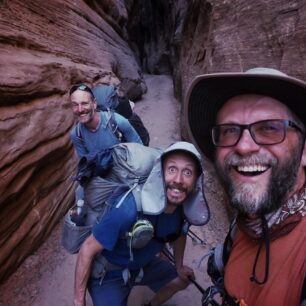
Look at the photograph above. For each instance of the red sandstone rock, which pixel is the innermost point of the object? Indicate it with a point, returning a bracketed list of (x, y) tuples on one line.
[(46, 46)]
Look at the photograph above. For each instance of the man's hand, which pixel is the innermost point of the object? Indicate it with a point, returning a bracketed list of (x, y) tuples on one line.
[(76, 302), (185, 273)]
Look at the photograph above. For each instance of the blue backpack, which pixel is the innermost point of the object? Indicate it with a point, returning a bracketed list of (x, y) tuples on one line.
[(106, 97), (108, 100)]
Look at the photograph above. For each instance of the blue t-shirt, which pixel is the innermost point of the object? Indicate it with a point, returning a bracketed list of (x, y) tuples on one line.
[(103, 138), (112, 229)]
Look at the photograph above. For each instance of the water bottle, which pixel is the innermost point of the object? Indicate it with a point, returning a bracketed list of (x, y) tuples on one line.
[(79, 214)]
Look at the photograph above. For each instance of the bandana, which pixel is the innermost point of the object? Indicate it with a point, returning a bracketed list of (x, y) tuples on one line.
[(281, 221)]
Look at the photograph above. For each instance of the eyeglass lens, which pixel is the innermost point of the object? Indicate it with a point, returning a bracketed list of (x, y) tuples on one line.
[(263, 132)]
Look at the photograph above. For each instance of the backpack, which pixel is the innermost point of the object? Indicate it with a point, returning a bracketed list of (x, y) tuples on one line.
[(138, 125), (108, 99), (124, 168)]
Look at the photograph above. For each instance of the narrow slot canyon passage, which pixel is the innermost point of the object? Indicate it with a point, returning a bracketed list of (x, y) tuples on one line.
[(46, 277)]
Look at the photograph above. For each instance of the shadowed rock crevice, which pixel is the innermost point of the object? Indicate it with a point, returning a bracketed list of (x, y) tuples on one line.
[(150, 30)]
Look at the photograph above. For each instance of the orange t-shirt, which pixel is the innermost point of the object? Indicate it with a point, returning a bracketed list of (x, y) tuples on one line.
[(287, 269)]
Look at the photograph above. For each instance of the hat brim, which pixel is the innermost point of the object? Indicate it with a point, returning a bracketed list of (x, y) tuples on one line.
[(154, 195), (208, 93)]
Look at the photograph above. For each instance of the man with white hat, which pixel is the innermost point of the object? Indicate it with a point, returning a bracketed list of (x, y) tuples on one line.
[(252, 126), (171, 196)]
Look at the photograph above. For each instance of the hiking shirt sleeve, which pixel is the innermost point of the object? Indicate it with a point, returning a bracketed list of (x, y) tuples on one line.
[(116, 223), (129, 133)]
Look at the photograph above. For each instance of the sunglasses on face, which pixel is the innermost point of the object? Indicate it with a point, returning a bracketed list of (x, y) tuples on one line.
[(265, 132), (81, 87)]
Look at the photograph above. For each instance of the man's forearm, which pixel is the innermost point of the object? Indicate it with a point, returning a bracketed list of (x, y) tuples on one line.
[(184, 272), (82, 273), (85, 258), (179, 249)]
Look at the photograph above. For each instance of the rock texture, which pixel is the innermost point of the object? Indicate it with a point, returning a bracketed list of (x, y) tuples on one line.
[(45, 46), (187, 38), (241, 34)]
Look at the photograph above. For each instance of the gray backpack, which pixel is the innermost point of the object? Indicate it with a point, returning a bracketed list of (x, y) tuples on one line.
[(131, 165)]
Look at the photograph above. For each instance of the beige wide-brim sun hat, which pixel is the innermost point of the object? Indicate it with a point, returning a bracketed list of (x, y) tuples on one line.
[(207, 94)]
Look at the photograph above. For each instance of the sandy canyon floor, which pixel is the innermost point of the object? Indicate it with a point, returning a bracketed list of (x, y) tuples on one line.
[(46, 277)]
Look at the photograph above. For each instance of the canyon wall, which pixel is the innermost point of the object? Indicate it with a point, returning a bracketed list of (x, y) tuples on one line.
[(46, 46), (186, 38), (238, 35)]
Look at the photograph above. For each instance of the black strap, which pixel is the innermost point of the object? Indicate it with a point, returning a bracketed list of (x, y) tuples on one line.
[(216, 273), (124, 107), (114, 126), (228, 242), (303, 295), (265, 239)]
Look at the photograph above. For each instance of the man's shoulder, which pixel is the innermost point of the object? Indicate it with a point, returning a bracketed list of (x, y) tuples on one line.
[(73, 132), (119, 118), (77, 131), (119, 216), (124, 203)]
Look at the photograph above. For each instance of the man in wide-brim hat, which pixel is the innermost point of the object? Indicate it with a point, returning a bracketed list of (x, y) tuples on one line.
[(252, 126)]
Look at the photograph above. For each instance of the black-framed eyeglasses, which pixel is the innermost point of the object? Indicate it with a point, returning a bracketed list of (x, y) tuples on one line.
[(81, 87), (265, 132)]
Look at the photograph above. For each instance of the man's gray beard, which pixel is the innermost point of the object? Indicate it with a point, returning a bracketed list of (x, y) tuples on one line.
[(247, 202)]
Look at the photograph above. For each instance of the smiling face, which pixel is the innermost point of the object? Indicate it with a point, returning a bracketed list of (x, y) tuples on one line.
[(180, 174), (83, 107), (259, 178)]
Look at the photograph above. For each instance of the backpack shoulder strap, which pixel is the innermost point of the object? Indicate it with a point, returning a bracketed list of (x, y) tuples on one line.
[(112, 124), (303, 295), (228, 242), (78, 131), (119, 190), (125, 195), (80, 136), (215, 269)]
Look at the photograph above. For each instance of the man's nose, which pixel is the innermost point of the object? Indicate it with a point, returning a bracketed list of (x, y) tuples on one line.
[(246, 143), (79, 108), (178, 178)]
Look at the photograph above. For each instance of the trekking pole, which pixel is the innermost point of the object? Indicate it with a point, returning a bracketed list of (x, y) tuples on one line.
[(171, 258), (201, 289), (211, 302), (194, 236), (168, 255)]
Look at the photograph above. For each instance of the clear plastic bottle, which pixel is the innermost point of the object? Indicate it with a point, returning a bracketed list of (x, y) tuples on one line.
[(79, 214)]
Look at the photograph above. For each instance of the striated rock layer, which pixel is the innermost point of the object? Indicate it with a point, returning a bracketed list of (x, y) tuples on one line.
[(238, 35), (186, 38), (45, 47)]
